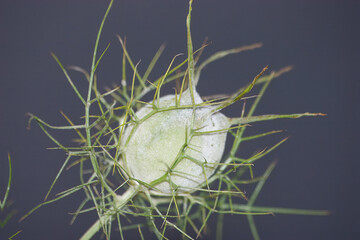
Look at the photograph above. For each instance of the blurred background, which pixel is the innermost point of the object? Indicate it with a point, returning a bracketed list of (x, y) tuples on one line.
[(318, 165)]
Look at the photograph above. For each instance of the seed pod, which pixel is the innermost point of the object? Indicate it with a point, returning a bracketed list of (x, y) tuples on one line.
[(174, 147)]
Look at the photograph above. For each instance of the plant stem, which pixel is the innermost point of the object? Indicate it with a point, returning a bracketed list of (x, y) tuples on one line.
[(251, 119), (93, 160), (119, 202)]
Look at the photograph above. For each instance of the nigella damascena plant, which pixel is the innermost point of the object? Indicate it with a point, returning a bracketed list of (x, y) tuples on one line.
[(161, 165)]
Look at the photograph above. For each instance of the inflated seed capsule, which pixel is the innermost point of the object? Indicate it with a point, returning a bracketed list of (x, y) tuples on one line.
[(174, 148)]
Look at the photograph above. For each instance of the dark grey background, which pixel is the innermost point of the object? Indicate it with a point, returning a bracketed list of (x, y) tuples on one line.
[(318, 165)]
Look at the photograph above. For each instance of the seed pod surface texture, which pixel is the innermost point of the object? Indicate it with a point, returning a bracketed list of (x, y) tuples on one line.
[(163, 144)]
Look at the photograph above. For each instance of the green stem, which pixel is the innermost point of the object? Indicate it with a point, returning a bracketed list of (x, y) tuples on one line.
[(88, 104), (190, 54), (246, 120), (3, 203), (119, 203), (275, 210)]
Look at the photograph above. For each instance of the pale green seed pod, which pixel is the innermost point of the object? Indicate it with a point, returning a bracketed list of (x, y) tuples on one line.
[(165, 141)]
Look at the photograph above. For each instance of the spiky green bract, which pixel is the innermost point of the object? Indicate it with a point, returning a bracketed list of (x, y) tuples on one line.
[(3, 202), (109, 153), (5, 214)]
